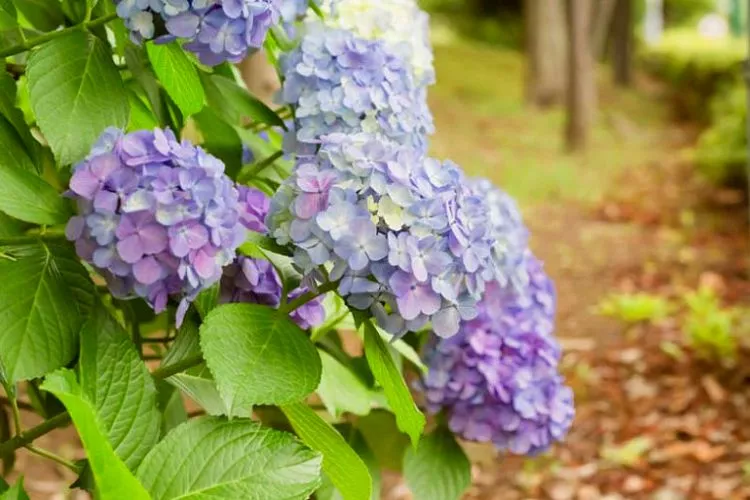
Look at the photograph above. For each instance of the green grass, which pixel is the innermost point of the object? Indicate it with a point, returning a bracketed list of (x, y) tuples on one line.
[(483, 124)]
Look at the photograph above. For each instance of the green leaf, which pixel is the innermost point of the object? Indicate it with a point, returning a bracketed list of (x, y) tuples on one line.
[(13, 154), (137, 61), (10, 31), (220, 139), (258, 356), (6, 433), (45, 299), (340, 463), (10, 111), (341, 390), (328, 491), (233, 102), (141, 116), (113, 479), (383, 438), (29, 198), (3, 486), (15, 492), (45, 15), (10, 227), (75, 101), (207, 300), (214, 458), (119, 387), (438, 469), (178, 76), (410, 420)]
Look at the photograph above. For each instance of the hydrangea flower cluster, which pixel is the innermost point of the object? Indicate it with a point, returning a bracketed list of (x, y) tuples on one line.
[(409, 237), (338, 82), (498, 379), (156, 217), (400, 23), (256, 281), (215, 30)]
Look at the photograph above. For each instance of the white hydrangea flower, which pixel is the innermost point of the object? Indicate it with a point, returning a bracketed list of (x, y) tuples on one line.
[(399, 22)]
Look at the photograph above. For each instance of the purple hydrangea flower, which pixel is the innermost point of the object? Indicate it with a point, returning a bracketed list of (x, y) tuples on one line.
[(408, 237), (256, 281), (498, 379), (157, 217), (338, 82), (215, 30)]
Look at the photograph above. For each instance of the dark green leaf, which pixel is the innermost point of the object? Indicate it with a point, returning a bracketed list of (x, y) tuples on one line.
[(341, 390), (10, 227), (13, 154), (6, 433), (141, 116), (44, 301), (172, 407), (207, 300), (438, 469), (113, 479), (340, 463), (214, 458), (45, 15), (27, 197), (221, 140), (233, 103), (258, 356), (3, 485), (14, 115), (10, 32), (178, 76), (383, 438), (74, 102), (119, 387), (15, 492), (410, 420), (137, 62)]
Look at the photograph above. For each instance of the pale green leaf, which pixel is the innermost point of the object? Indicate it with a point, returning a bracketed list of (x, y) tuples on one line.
[(26, 196), (119, 387), (44, 301), (212, 458), (340, 463), (438, 469), (233, 103), (178, 76), (258, 356), (410, 420), (15, 492), (340, 389), (75, 101), (113, 479)]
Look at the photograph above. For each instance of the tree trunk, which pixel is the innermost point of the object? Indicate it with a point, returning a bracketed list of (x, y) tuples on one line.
[(622, 42), (581, 87), (601, 27), (546, 54), (260, 76)]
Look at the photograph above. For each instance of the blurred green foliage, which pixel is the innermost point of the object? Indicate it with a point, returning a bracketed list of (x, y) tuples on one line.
[(635, 308), (487, 21), (709, 327), (686, 12)]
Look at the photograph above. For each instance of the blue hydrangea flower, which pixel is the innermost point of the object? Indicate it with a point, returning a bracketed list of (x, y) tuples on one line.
[(338, 82), (215, 30), (498, 379), (256, 281), (156, 217), (409, 237)]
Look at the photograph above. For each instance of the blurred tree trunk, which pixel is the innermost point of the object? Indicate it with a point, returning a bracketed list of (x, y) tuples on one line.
[(622, 42), (581, 86), (604, 10), (260, 76), (545, 49)]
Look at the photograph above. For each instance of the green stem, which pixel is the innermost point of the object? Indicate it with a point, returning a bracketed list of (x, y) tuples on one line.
[(158, 340), (256, 168), (27, 437), (179, 366), (16, 414), (319, 334), (309, 296), (55, 458), (31, 238), (30, 44)]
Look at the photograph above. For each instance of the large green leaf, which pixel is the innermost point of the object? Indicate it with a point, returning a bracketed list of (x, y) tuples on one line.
[(258, 356), (233, 102), (328, 491), (45, 297), (218, 459), (340, 462), (45, 15), (438, 469), (76, 92), (13, 154), (15, 492), (341, 390), (410, 420), (113, 479), (119, 387), (10, 31), (178, 76)]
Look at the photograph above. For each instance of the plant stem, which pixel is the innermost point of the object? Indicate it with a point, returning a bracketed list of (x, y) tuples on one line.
[(31, 238), (309, 296), (258, 167), (180, 366), (27, 437), (16, 414), (158, 340), (332, 326), (55, 458), (21, 404), (30, 44)]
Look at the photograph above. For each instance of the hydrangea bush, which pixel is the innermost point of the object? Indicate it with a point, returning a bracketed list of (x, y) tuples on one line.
[(226, 298)]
